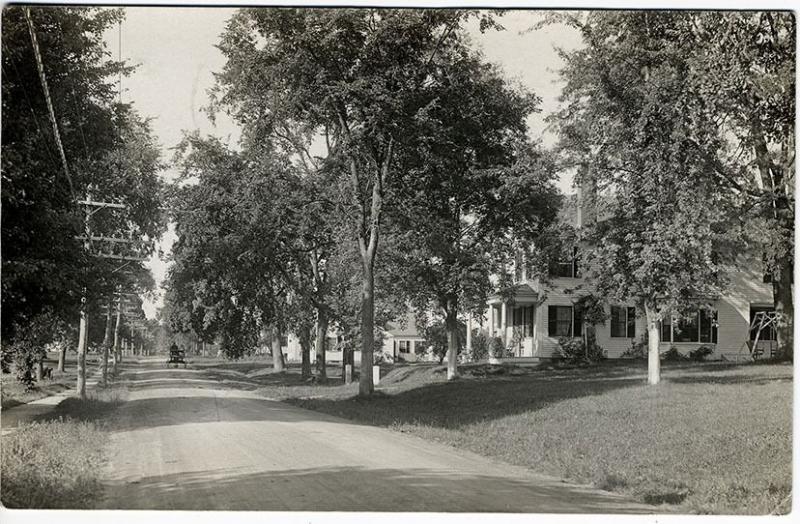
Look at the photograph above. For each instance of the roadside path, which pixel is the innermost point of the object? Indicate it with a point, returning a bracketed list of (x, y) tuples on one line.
[(182, 442), (11, 418)]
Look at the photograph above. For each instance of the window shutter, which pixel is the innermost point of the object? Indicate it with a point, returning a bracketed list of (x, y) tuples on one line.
[(631, 322), (666, 330), (577, 319), (575, 268), (615, 320), (714, 325), (552, 321)]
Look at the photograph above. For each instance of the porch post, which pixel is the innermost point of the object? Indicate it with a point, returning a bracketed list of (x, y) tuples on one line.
[(504, 322), (491, 320), (469, 333)]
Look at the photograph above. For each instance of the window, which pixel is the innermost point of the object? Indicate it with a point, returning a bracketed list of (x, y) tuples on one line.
[(698, 327), (623, 322), (564, 321), (404, 346), (565, 268), (768, 333)]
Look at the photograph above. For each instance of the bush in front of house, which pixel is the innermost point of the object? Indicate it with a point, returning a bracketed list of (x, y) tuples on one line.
[(638, 349), (574, 351), (480, 346), (700, 354), (673, 355)]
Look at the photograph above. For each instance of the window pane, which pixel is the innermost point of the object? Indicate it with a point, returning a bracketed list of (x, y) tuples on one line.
[(686, 329), (618, 326), (707, 327), (559, 321)]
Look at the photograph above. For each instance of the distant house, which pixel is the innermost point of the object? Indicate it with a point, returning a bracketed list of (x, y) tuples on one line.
[(532, 322), (402, 341)]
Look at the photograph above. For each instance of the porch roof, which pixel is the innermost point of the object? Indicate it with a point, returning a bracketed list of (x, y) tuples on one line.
[(518, 294)]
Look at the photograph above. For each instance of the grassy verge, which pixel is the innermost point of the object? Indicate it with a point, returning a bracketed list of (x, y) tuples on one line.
[(711, 438), (56, 462), (13, 393)]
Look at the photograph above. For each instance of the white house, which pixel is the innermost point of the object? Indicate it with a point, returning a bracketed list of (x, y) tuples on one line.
[(402, 341), (538, 315)]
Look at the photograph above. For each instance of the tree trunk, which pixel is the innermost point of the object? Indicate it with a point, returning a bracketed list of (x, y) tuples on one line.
[(653, 356), (117, 327), (319, 344), (106, 344), (784, 307), (83, 334), (62, 357), (278, 364), (365, 385), (305, 351), (40, 369), (451, 326)]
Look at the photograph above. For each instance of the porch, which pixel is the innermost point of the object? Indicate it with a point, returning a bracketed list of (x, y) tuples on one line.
[(512, 317)]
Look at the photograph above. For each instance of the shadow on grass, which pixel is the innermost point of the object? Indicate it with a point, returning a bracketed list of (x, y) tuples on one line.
[(453, 405), (94, 408)]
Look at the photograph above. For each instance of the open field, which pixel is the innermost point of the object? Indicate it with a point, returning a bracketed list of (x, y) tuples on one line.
[(712, 438)]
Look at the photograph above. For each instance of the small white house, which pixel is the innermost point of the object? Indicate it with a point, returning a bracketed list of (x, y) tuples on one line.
[(402, 342)]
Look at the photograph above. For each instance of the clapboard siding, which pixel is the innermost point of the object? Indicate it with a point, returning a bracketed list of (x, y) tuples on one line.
[(733, 313)]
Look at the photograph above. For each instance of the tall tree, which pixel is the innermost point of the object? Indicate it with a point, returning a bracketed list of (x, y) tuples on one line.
[(56, 71), (743, 71), (358, 79), (664, 238)]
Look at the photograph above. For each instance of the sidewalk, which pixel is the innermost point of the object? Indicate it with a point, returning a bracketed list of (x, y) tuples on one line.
[(13, 417)]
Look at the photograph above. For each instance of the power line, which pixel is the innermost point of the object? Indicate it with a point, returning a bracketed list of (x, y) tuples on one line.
[(43, 79)]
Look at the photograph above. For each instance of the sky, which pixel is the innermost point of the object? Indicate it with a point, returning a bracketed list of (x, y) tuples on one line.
[(174, 50)]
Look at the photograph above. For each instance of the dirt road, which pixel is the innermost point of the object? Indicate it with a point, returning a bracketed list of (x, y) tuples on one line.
[(184, 441)]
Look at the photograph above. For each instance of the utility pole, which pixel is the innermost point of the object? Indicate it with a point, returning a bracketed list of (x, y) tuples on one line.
[(90, 208)]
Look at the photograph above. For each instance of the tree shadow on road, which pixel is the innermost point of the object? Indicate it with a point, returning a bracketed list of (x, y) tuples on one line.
[(362, 489)]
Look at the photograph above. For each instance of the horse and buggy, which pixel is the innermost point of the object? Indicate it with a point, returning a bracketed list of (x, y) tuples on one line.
[(176, 357)]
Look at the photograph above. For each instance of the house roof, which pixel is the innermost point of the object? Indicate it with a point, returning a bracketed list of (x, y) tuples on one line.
[(521, 293), (404, 327)]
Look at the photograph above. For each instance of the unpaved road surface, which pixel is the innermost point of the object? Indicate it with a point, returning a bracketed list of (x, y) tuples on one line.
[(186, 441)]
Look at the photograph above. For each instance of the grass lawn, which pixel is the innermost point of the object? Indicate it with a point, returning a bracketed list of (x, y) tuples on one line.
[(13, 393), (56, 463), (711, 438)]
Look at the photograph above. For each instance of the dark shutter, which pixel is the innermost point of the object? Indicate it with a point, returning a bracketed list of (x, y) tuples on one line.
[(631, 322), (577, 316), (616, 321), (552, 321), (666, 330), (575, 268)]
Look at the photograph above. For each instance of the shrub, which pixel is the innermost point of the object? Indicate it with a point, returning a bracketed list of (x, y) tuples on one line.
[(480, 346), (700, 354), (498, 349), (673, 355), (573, 350), (638, 349)]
